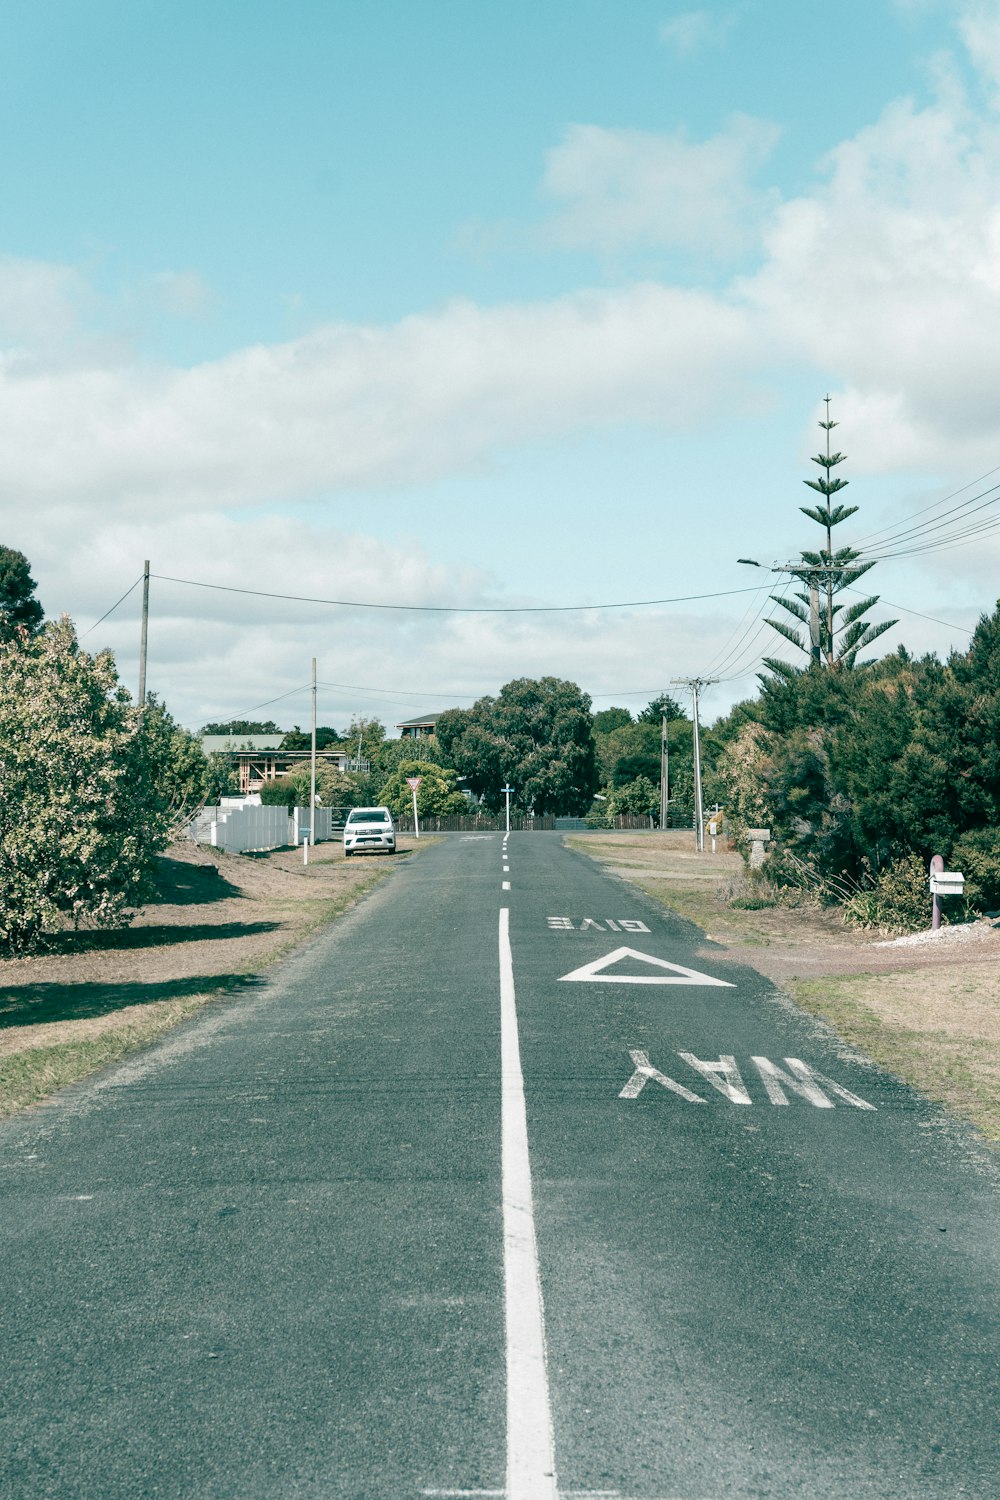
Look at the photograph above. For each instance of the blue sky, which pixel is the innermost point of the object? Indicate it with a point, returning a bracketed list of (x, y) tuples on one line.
[(493, 303)]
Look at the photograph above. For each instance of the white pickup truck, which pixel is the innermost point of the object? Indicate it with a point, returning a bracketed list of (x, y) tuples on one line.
[(369, 829)]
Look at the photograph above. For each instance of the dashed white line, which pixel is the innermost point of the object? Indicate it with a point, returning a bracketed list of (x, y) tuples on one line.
[(531, 1468), (505, 885)]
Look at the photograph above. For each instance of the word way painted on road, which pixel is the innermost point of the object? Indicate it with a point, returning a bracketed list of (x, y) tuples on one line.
[(591, 924), (725, 1077)]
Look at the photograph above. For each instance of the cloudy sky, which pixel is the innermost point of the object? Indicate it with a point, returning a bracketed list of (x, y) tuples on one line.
[(503, 304)]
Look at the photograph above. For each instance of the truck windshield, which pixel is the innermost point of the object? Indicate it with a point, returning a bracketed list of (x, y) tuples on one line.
[(368, 815)]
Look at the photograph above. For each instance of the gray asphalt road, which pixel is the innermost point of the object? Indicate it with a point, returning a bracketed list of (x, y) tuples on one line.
[(267, 1258)]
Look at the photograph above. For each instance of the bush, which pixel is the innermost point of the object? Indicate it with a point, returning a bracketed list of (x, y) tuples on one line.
[(333, 788), (977, 855), (892, 900), (81, 812)]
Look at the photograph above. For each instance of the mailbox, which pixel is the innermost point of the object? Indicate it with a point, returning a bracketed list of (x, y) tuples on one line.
[(947, 883)]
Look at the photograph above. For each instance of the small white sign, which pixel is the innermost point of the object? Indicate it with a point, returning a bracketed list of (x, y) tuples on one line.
[(414, 781), (947, 883)]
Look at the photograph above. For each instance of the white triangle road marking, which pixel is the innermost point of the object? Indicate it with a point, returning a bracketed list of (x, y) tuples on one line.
[(593, 973)]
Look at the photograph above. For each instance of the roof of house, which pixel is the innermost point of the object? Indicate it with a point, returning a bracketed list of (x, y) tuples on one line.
[(423, 722), (211, 743)]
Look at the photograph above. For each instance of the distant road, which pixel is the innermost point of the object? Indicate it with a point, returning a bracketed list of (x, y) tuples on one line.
[(508, 1183)]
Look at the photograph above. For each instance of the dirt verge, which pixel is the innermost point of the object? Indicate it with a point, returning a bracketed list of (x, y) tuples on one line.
[(217, 922), (928, 1011)]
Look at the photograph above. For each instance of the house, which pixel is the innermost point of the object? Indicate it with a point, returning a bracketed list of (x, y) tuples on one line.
[(259, 758), (414, 729)]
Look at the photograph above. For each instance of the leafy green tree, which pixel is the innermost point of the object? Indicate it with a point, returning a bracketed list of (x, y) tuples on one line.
[(82, 814), (333, 788), (535, 736), (611, 718), (640, 797), (662, 707), (221, 779), (391, 753), (630, 751), (370, 733), (236, 727), (839, 640), (301, 739), (449, 729), (21, 614), (437, 794)]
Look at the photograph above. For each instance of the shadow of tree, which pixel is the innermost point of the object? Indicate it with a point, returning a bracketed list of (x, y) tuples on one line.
[(124, 938), (181, 884), (35, 1004)]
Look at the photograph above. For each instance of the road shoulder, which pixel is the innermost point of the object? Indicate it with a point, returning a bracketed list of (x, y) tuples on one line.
[(218, 922), (929, 1014)]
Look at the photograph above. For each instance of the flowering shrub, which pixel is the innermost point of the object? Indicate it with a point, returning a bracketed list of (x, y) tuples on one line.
[(81, 811)]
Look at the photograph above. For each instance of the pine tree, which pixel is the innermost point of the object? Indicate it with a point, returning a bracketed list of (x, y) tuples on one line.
[(21, 615), (835, 638)]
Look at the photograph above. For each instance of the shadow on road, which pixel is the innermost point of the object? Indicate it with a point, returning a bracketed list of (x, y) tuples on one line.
[(35, 1004)]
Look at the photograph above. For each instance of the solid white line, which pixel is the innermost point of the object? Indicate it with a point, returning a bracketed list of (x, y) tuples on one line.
[(531, 1465)]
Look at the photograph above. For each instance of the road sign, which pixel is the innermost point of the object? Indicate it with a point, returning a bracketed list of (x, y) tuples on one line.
[(414, 781)]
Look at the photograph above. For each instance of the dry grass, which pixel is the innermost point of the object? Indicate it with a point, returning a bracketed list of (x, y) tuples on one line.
[(218, 921), (930, 1014)]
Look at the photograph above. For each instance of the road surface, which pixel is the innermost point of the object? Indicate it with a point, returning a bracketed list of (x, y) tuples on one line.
[(510, 1183)]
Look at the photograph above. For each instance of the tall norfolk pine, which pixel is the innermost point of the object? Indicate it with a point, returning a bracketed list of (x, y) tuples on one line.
[(843, 631)]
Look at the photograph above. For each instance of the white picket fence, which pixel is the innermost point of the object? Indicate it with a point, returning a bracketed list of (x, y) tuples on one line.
[(248, 829)]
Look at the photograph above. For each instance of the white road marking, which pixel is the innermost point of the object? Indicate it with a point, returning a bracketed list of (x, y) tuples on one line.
[(593, 973), (805, 1082), (531, 1468), (565, 924), (505, 885), (506, 869), (723, 1075), (644, 1071)]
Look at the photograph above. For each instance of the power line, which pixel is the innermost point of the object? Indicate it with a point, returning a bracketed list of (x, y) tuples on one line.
[(451, 609), (887, 530), (113, 607)]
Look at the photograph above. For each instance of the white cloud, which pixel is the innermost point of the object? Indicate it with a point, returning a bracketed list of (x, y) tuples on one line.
[(692, 31), (183, 294), (361, 405), (39, 303), (979, 28), (627, 189), (888, 276)]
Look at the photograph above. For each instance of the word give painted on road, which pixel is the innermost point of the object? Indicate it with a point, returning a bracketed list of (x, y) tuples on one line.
[(591, 924), (665, 971), (724, 1075)]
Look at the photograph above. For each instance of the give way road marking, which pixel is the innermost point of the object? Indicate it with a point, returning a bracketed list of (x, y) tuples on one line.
[(593, 973)]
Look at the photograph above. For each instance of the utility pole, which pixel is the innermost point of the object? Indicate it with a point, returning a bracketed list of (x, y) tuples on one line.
[(664, 772), (507, 791), (696, 684), (312, 768), (811, 573), (144, 635)]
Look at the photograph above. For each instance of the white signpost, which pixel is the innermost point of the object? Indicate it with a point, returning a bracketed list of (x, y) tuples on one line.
[(507, 791), (413, 782)]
